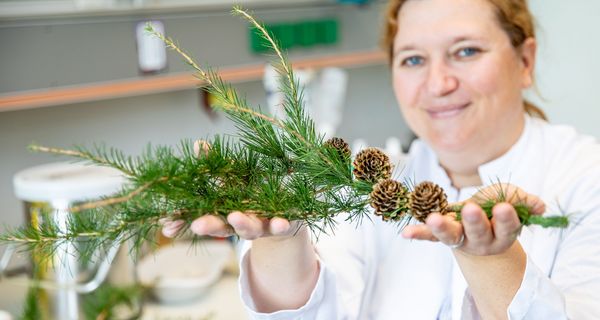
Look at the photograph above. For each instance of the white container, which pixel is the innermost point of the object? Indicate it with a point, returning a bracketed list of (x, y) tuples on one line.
[(184, 272), (66, 182), (54, 188)]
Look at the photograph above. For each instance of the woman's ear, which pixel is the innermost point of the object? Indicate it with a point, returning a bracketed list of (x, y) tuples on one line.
[(528, 52)]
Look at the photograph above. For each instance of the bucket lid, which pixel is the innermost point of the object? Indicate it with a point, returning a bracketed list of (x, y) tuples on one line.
[(67, 182)]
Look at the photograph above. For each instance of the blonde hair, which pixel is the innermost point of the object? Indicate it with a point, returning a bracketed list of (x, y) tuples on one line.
[(514, 18)]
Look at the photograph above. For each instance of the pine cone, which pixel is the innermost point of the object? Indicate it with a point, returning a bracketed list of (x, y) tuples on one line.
[(340, 146), (372, 165), (427, 198), (390, 199)]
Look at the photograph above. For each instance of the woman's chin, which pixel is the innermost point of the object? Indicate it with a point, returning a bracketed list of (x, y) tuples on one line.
[(449, 143)]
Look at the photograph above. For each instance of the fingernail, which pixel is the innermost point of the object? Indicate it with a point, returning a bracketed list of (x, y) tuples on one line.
[(173, 225), (169, 233), (171, 229), (471, 217), (178, 223), (224, 234)]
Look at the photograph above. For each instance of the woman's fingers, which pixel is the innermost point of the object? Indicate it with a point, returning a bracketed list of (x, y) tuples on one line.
[(513, 195), (476, 233), (476, 225), (210, 225), (487, 237), (171, 228), (538, 207), (201, 148), (279, 226), (506, 224), (247, 226), (418, 232), (445, 228)]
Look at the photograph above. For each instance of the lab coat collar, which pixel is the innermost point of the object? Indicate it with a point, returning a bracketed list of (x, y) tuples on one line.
[(508, 168), (511, 164)]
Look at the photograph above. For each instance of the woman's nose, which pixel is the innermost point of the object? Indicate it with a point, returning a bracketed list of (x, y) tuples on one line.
[(440, 80)]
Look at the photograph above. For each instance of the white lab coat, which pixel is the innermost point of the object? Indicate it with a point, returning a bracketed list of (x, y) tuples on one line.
[(371, 272)]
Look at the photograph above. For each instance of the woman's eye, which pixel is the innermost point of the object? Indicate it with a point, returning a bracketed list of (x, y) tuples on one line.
[(412, 61), (467, 52)]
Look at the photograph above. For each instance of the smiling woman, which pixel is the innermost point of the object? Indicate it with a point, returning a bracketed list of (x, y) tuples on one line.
[(449, 85), (459, 68)]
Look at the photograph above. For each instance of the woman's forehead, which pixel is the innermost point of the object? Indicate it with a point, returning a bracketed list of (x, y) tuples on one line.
[(421, 21)]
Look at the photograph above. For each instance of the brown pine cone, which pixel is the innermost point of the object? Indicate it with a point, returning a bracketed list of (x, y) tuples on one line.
[(372, 165), (427, 198), (390, 199), (340, 146)]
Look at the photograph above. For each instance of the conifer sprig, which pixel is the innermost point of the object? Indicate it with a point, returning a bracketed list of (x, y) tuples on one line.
[(500, 192), (273, 168)]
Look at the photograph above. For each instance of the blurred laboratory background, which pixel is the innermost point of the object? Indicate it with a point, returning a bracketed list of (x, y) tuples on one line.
[(79, 72)]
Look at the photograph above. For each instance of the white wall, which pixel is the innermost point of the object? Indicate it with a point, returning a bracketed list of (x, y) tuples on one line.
[(568, 68)]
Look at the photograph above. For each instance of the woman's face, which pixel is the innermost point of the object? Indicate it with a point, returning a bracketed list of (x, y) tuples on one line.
[(457, 77)]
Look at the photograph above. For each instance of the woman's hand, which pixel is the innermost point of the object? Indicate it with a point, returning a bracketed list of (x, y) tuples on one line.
[(491, 260), (476, 234), (246, 225)]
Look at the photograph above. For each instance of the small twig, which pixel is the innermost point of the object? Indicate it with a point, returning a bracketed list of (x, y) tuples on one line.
[(288, 71), (111, 201), (32, 240), (66, 152), (76, 154), (204, 76), (58, 238)]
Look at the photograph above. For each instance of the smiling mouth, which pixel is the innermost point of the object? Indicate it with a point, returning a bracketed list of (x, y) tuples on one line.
[(446, 112)]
